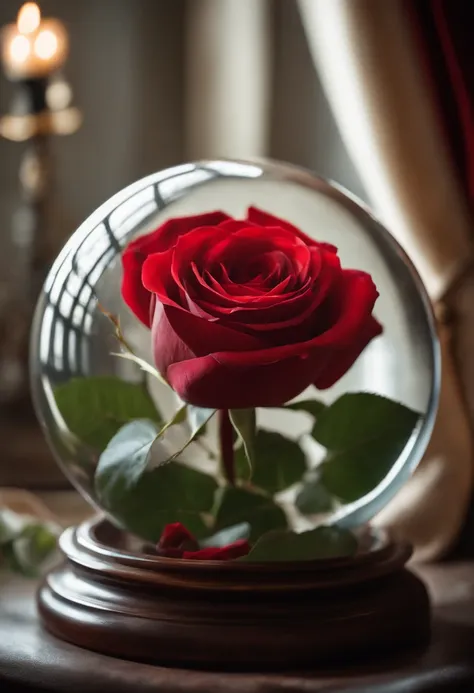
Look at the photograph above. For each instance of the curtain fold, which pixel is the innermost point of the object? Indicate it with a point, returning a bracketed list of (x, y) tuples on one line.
[(443, 29), (228, 78), (369, 62)]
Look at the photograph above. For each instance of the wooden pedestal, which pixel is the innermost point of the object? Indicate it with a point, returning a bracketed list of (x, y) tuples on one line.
[(113, 599)]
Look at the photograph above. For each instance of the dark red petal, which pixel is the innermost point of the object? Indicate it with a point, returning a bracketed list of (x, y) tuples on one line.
[(301, 326), (205, 382), (157, 279), (135, 295), (238, 548), (350, 318), (196, 247), (280, 241), (167, 346), (203, 336), (166, 235), (224, 303), (174, 535), (226, 288), (296, 308), (250, 242), (233, 225), (264, 312), (340, 360), (258, 216), (196, 309), (225, 292)]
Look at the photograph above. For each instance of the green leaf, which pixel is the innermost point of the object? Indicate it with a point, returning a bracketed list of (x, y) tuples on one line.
[(128, 454), (169, 493), (314, 407), (365, 434), (244, 423), (96, 408), (313, 498), (145, 500), (227, 536), (277, 464), (11, 525), (319, 543), (124, 461), (35, 545), (28, 553), (236, 505)]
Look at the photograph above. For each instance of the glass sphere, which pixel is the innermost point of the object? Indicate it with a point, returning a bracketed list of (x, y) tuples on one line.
[(71, 339)]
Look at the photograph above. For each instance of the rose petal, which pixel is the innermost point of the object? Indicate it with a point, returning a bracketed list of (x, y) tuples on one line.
[(157, 278), (195, 247), (202, 336), (256, 241), (205, 382), (135, 295), (233, 225), (258, 313), (258, 216), (238, 548), (357, 301), (166, 235), (342, 359), (174, 536), (229, 294), (229, 289), (167, 345)]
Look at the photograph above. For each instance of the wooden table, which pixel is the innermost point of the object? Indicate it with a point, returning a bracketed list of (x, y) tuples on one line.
[(33, 660)]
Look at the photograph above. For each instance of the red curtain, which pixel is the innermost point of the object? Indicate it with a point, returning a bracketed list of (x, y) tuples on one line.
[(445, 34)]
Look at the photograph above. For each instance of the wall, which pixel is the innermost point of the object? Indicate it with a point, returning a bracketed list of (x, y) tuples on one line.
[(303, 129)]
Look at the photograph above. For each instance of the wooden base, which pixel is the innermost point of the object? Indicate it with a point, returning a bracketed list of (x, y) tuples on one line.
[(110, 597)]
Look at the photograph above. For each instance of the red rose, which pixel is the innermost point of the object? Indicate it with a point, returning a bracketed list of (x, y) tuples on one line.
[(177, 542), (246, 313)]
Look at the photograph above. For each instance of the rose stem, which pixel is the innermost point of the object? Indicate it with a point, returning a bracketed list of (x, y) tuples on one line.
[(226, 440)]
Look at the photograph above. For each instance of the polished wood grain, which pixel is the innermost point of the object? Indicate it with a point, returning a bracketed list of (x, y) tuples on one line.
[(33, 661), (110, 597)]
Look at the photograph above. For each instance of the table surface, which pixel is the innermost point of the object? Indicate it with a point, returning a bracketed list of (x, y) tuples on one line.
[(33, 660)]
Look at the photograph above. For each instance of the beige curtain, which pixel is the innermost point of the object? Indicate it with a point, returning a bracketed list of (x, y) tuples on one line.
[(366, 58)]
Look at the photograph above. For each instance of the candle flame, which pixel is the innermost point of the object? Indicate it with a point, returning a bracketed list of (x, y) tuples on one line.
[(19, 49), (46, 44), (29, 18)]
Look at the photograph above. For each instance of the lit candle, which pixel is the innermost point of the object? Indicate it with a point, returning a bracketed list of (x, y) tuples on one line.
[(33, 48)]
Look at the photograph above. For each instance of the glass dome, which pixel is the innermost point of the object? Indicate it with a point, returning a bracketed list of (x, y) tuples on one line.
[(72, 339)]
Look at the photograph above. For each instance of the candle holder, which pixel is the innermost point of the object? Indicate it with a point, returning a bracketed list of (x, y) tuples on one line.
[(40, 109)]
